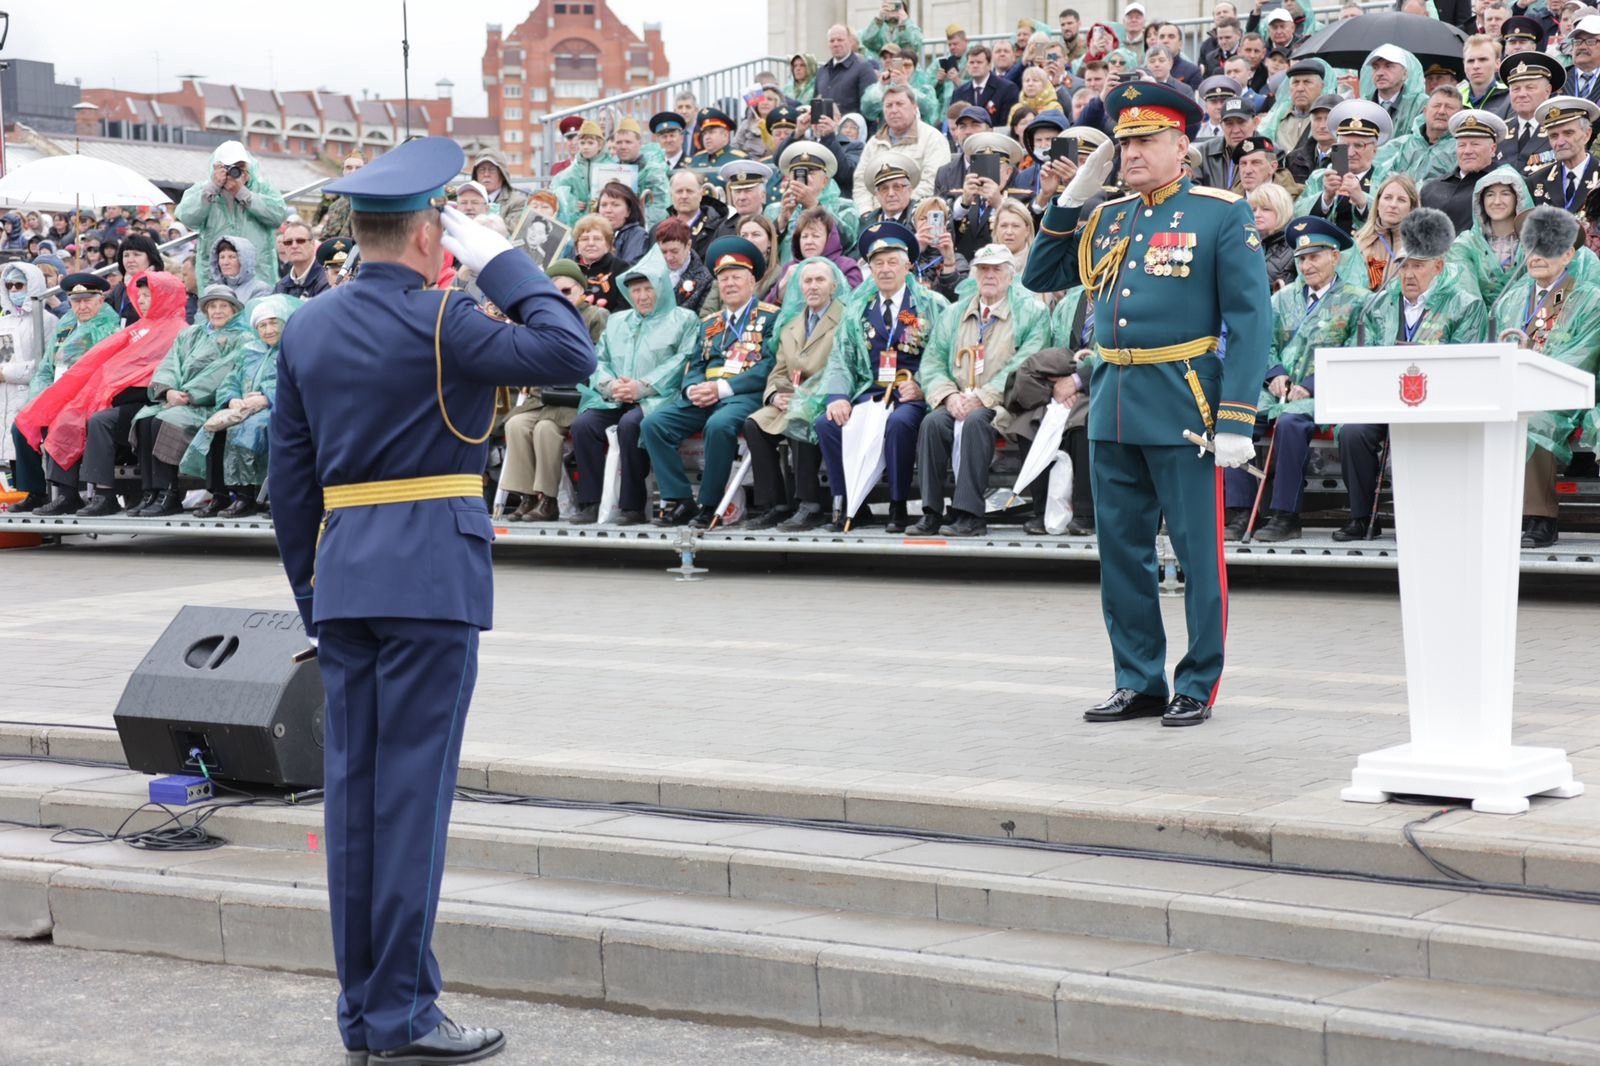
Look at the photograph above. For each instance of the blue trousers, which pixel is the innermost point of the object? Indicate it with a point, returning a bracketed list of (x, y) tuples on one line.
[(30, 464), (899, 448), (667, 427), (397, 692), (1134, 486), (1289, 458)]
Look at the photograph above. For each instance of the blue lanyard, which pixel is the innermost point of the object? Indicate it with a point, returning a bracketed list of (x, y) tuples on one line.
[(1407, 330), (1577, 189), (1532, 310), (985, 327), (891, 326), (1311, 308), (742, 321)]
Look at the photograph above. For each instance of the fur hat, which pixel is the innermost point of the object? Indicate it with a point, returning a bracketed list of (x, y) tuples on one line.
[(1426, 233), (1549, 232)]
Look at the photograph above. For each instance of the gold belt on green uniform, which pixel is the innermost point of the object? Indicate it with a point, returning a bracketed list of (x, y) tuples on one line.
[(1171, 353)]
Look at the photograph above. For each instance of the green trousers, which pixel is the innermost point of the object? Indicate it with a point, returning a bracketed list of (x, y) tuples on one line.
[(1134, 486), (667, 427)]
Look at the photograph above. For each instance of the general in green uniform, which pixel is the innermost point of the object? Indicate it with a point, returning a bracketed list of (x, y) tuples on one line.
[(712, 134), (1169, 269)]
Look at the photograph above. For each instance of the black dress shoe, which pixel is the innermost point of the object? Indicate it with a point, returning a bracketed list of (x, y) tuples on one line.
[(927, 526), (356, 1058), (1356, 529), (675, 513), (586, 515), (1237, 519), (104, 505), (1541, 532), (702, 518), (145, 503), (965, 525), (630, 518), (30, 503), (1283, 525), (66, 504), (213, 507), (835, 524), (769, 518), (243, 507), (808, 516), (1185, 710), (170, 503), (1080, 527), (449, 1043), (899, 517), (1035, 526), (1124, 704)]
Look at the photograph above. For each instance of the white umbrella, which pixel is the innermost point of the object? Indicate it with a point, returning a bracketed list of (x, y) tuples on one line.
[(1045, 447), (734, 481), (862, 448), (63, 181)]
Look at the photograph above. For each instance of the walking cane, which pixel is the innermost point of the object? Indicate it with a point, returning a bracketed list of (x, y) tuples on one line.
[(1383, 461), (1261, 486)]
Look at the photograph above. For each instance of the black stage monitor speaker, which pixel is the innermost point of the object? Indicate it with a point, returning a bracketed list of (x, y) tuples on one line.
[(222, 685)]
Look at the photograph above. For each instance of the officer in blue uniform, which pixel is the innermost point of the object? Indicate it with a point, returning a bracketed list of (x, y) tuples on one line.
[(1169, 268), (378, 444), (722, 386)]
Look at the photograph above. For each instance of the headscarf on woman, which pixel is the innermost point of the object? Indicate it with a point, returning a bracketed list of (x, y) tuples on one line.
[(22, 343)]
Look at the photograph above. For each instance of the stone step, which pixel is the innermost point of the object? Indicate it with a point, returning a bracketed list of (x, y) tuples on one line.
[(1016, 993), (1393, 930)]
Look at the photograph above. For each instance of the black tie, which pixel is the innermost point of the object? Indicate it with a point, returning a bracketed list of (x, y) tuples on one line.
[(1522, 139), (1572, 186), (888, 323)]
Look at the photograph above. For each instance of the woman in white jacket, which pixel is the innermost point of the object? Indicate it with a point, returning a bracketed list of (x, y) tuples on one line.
[(25, 328)]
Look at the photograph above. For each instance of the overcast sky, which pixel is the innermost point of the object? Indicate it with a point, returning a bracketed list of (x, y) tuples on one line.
[(341, 45)]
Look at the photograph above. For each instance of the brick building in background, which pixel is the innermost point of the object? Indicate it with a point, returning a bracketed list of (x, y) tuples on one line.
[(565, 53)]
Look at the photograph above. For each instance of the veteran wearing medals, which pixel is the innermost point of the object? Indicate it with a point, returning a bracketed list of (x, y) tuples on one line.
[(1568, 123), (1168, 268), (722, 386), (386, 394)]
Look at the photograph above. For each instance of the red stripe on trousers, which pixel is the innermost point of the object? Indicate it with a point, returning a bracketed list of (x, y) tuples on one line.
[(1222, 582)]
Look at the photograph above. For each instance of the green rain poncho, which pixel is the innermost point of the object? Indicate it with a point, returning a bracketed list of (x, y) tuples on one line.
[(213, 213), (1452, 313), (802, 90), (906, 34), (1574, 339), (199, 362), (1472, 252), (654, 191), (254, 369), (651, 348), (1413, 94), (68, 343), (943, 373), (574, 197), (808, 400), (927, 103), (850, 372), (1413, 155), (1268, 126), (1297, 333)]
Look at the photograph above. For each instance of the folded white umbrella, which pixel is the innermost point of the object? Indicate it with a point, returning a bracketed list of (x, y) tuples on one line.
[(1046, 445), (862, 448), (735, 479), (77, 181)]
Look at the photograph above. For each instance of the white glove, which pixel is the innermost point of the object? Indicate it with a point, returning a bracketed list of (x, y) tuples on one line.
[(472, 245), (1091, 175), (1234, 449)]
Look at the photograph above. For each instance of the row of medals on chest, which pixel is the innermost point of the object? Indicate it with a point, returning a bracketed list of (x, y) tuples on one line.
[(1169, 252)]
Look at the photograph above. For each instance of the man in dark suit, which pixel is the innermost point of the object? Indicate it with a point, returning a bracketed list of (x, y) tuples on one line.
[(845, 76), (1530, 78), (1478, 135), (987, 89), (1569, 123)]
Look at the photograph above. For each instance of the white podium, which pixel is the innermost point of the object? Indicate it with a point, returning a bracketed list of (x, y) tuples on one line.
[(1458, 417)]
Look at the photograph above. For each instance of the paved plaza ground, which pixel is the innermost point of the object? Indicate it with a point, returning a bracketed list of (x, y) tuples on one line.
[(966, 685)]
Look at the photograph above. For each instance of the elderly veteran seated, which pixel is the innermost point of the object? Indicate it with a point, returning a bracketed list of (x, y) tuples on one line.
[(722, 386), (893, 181), (812, 311), (981, 341), (1568, 123), (879, 348)]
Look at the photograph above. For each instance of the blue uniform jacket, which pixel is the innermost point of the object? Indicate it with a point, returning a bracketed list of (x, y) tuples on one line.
[(357, 403), (1193, 263)]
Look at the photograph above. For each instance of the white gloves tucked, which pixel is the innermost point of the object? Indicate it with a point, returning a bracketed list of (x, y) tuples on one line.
[(472, 245), (1234, 449), (1090, 177)]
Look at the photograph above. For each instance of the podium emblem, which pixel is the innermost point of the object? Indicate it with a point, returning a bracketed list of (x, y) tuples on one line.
[(1413, 386)]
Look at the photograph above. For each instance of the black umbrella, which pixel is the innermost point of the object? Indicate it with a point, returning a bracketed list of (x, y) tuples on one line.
[(1348, 43)]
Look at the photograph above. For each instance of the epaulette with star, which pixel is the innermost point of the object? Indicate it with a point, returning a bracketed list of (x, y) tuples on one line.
[(763, 306), (1216, 194)]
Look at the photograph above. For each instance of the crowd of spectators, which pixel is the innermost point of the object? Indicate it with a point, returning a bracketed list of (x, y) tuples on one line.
[(876, 178)]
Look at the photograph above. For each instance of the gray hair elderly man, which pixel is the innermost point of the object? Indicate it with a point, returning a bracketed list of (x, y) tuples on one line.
[(981, 342)]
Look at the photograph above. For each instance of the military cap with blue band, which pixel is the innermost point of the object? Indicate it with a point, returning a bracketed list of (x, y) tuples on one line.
[(1311, 234), (887, 236), (662, 121), (411, 177)]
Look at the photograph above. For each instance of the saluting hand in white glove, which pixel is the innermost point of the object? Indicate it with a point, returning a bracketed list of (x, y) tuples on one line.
[(472, 245), (1091, 175), (1234, 449)]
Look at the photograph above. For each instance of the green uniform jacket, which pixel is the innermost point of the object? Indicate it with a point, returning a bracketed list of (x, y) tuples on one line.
[(1297, 333), (1453, 313), (1142, 302), (1572, 336), (651, 348), (68, 343), (757, 343), (713, 160)]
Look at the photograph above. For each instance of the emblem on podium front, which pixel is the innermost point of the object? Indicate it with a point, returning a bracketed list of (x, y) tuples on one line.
[(1413, 386)]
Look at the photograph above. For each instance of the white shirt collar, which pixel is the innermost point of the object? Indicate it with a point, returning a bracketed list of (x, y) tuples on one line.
[(1317, 294), (896, 302)]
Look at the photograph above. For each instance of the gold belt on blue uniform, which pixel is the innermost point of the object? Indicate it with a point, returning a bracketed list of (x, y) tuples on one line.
[(402, 490), (1171, 353)]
